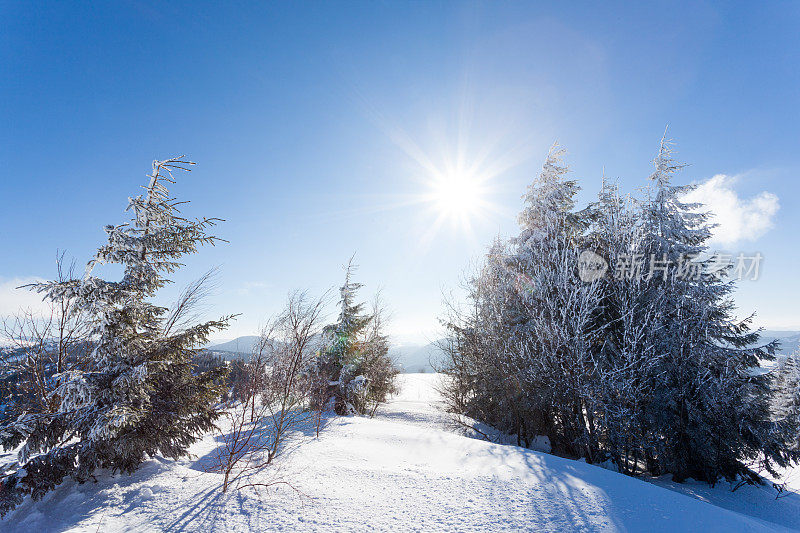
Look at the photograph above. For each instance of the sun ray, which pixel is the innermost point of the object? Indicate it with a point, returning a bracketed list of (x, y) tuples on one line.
[(458, 173)]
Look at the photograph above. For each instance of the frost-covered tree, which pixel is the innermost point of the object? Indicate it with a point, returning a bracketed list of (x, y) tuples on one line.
[(483, 384), (709, 414), (139, 396), (355, 359), (786, 398), (520, 356), (552, 354), (626, 316), (644, 364)]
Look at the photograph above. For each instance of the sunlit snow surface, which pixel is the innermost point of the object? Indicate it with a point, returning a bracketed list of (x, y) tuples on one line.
[(405, 470)]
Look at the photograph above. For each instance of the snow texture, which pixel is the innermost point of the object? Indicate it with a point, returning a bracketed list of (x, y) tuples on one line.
[(404, 470)]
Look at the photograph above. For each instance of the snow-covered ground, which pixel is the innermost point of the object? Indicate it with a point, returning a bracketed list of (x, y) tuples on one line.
[(404, 470)]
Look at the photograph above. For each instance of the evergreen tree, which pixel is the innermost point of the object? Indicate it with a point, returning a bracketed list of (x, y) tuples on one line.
[(710, 411), (139, 397), (644, 364), (554, 331), (626, 315), (786, 399), (355, 357), (521, 358), (483, 383)]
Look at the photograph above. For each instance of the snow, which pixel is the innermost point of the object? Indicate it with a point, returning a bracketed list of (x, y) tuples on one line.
[(407, 470)]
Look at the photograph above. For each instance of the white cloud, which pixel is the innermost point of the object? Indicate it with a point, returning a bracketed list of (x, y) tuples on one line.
[(738, 219), (13, 299)]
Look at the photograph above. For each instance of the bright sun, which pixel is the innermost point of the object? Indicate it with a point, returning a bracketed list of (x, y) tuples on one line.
[(456, 195)]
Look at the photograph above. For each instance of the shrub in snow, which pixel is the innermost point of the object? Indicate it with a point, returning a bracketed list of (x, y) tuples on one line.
[(138, 396), (275, 395), (40, 348)]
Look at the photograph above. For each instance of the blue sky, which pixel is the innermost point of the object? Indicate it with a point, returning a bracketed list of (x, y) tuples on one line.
[(316, 127)]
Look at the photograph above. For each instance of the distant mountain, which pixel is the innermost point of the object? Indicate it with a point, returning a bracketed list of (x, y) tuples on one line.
[(789, 340), (410, 357), (417, 357), (239, 345), (779, 333)]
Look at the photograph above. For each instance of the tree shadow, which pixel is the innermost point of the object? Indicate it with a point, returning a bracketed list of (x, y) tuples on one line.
[(304, 426)]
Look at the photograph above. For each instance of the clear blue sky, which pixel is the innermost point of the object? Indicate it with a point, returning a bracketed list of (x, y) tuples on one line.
[(308, 122)]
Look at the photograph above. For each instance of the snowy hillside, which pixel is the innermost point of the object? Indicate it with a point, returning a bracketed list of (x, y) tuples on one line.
[(403, 470)]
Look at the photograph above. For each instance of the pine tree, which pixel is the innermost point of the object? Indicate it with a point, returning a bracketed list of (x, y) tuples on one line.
[(520, 358), (482, 383), (139, 397), (786, 399), (675, 371), (644, 364), (710, 411), (355, 358), (555, 367), (341, 355), (626, 315)]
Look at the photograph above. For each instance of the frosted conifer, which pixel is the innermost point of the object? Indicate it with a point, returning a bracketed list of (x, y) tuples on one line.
[(355, 356), (139, 397), (710, 409)]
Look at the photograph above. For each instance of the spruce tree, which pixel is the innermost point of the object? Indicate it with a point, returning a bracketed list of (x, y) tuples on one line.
[(786, 399), (483, 374), (625, 317), (557, 364), (139, 397), (534, 315), (710, 412), (644, 364), (355, 357)]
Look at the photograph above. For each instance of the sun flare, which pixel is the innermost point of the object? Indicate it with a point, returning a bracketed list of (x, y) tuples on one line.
[(457, 195)]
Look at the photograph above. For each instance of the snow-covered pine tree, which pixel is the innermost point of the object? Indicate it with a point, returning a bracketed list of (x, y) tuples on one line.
[(341, 355), (709, 415), (139, 397), (482, 349), (651, 371), (554, 331), (478, 385), (626, 316), (786, 398), (355, 357), (520, 358)]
